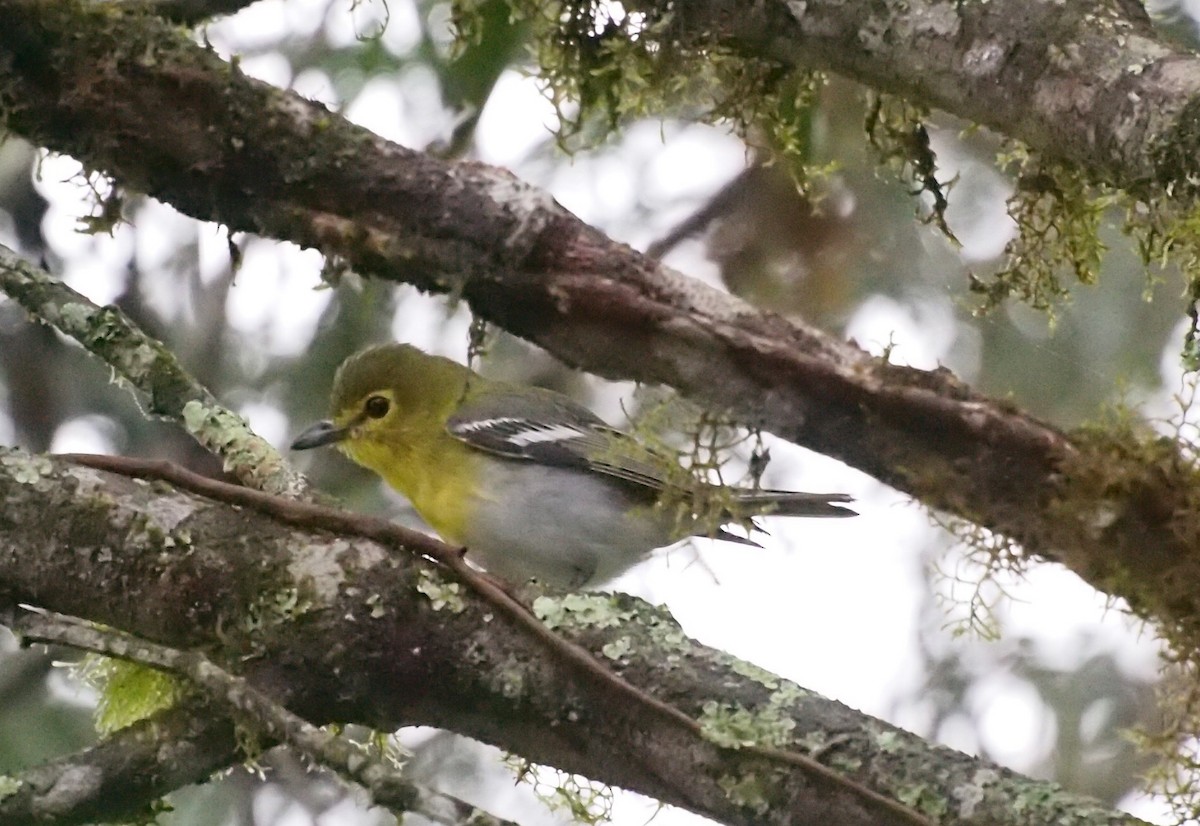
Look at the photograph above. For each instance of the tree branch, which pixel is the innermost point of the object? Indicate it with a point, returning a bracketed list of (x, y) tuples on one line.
[(403, 540), (192, 130), (185, 12), (348, 630), (122, 776), (385, 782), (153, 370), (1087, 83)]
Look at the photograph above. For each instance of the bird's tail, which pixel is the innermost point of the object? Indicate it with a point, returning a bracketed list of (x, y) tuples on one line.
[(792, 503)]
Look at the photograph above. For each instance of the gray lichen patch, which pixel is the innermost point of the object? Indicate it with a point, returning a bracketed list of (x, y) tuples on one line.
[(316, 566), (25, 468), (442, 594), (245, 453), (733, 726), (581, 611)]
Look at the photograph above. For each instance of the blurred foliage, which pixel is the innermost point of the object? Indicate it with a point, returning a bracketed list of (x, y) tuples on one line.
[(39, 717), (1086, 709)]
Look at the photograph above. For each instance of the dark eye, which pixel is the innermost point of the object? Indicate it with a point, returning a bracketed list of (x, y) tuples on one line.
[(377, 407)]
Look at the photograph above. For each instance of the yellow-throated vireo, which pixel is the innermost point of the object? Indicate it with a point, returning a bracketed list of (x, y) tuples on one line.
[(532, 483)]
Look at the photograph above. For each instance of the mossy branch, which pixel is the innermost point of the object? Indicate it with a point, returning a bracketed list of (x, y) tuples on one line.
[(268, 720), (145, 365), (361, 642), (262, 159)]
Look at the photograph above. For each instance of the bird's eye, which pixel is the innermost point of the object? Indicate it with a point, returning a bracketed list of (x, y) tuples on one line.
[(377, 407)]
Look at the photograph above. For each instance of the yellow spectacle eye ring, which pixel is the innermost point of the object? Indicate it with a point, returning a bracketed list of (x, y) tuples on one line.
[(377, 407)]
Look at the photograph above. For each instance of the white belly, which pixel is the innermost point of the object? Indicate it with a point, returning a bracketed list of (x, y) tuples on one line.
[(559, 526)]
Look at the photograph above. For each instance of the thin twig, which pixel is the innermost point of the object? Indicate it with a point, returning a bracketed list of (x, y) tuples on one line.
[(712, 210)]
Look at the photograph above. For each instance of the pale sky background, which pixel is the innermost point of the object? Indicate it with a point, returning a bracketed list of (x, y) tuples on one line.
[(832, 604)]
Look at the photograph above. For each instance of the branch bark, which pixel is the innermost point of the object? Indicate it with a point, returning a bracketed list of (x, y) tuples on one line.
[(383, 779), (139, 100), (151, 369), (119, 778), (1087, 83), (346, 630)]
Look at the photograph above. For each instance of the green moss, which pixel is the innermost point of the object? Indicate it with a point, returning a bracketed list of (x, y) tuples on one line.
[(128, 692), (1122, 462), (1167, 232), (1058, 213), (603, 66), (896, 131), (8, 786)]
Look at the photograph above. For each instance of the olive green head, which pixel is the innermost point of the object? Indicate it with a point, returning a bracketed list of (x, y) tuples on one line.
[(385, 389)]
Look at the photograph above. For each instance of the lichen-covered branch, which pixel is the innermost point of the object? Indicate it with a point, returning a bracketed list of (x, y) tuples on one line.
[(121, 777), (268, 720), (190, 129), (343, 629), (1088, 83), (147, 366)]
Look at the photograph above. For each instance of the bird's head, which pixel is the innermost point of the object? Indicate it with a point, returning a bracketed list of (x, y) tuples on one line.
[(382, 398)]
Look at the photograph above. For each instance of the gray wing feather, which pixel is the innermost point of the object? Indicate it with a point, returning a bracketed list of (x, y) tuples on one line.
[(544, 427)]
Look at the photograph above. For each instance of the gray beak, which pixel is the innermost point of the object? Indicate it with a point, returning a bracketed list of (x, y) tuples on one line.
[(321, 433)]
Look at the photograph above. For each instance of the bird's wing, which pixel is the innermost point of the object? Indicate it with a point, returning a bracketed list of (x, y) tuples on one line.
[(544, 427)]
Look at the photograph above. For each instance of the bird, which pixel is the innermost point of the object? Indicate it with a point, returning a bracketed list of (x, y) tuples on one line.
[(532, 483)]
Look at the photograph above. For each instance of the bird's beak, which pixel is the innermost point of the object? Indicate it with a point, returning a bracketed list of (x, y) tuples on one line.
[(321, 433)]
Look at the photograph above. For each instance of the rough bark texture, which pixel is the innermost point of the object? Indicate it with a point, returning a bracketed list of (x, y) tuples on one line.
[(1088, 83), (153, 371), (348, 631), (163, 115), (119, 778), (341, 630)]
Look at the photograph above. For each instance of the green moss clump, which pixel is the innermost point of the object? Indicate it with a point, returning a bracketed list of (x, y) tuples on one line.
[(1058, 213), (128, 692), (602, 66), (1167, 232)]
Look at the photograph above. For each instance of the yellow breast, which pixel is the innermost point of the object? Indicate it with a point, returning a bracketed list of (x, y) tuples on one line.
[(437, 478)]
